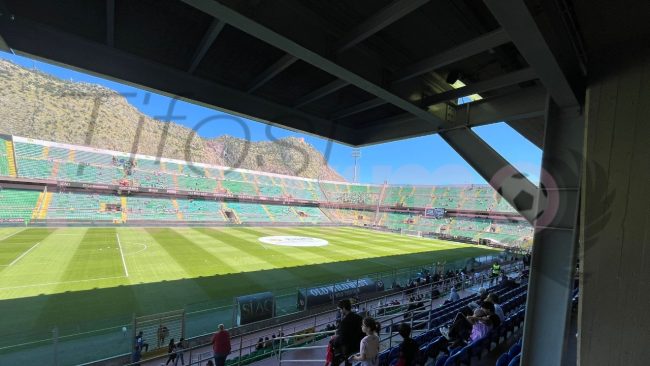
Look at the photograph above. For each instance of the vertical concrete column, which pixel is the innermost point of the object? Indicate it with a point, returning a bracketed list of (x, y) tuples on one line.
[(614, 310), (556, 238)]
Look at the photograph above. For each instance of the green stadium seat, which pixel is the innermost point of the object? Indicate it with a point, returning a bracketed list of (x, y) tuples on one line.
[(150, 208), (82, 206), (18, 204), (200, 210)]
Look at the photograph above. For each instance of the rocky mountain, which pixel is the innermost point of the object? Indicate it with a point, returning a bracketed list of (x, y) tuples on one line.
[(38, 105)]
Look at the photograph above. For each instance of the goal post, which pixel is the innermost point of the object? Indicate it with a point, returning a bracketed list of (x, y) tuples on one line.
[(407, 232)]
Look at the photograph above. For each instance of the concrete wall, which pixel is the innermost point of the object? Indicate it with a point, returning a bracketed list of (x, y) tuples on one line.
[(614, 312)]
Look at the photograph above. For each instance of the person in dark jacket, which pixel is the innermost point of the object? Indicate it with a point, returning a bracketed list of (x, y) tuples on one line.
[(349, 333), (171, 351), (409, 348)]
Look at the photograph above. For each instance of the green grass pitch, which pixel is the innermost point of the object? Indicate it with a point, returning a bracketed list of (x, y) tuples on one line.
[(81, 279)]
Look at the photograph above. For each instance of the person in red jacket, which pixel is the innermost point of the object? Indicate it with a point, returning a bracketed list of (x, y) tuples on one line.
[(221, 346)]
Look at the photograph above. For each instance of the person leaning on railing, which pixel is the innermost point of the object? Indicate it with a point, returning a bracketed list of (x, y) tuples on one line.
[(369, 345)]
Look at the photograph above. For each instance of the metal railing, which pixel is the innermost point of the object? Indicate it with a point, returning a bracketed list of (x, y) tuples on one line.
[(371, 306), (315, 338), (388, 321)]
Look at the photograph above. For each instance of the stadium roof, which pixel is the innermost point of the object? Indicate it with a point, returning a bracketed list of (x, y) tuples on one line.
[(358, 72)]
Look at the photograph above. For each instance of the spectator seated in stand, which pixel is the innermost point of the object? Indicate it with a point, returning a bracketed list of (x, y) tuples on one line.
[(467, 328), (498, 311), (507, 282), (409, 348), (453, 296)]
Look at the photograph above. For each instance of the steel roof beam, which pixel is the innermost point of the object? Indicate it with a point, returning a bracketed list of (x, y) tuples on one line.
[(470, 48), (216, 26), (357, 108), (320, 92), (110, 23), (275, 39), (526, 104), (530, 128), (511, 184), (516, 20), (380, 20), (481, 86), (277, 67), (374, 24), (457, 53), (463, 51)]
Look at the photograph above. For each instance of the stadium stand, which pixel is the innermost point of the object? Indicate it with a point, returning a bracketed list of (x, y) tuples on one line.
[(80, 206), (201, 210), (67, 163), (352, 217), (190, 183), (433, 346), (150, 208), (4, 163), (270, 191), (290, 214), (239, 187), (18, 204)]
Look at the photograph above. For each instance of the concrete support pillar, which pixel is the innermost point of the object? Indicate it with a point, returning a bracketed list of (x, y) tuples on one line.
[(556, 239), (614, 310)]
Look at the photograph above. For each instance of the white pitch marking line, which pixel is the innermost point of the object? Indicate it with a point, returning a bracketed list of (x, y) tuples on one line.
[(60, 283), (144, 247), (12, 234), (22, 255), (119, 244)]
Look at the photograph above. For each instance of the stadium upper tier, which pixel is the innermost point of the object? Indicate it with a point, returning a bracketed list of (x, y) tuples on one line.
[(28, 205), (35, 159)]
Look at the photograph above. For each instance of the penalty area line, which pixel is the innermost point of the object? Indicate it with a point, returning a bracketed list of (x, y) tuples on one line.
[(119, 244), (61, 283), (12, 234), (24, 254)]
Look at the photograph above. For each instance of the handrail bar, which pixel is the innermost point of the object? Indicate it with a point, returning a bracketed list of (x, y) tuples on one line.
[(402, 292)]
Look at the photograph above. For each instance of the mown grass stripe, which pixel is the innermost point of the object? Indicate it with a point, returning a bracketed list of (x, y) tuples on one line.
[(97, 256), (188, 254), (17, 244)]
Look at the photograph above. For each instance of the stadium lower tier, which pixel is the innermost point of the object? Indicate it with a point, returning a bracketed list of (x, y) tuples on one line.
[(498, 231), (28, 205)]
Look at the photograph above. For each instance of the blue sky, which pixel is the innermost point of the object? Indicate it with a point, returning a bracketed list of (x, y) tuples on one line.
[(422, 160)]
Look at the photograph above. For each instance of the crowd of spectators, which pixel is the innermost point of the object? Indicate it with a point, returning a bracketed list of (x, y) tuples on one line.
[(270, 343)]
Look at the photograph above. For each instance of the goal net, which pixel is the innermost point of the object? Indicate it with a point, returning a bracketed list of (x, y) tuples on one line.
[(411, 232)]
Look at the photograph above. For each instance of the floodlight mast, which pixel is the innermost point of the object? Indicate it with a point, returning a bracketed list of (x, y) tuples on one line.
[(356, 154)]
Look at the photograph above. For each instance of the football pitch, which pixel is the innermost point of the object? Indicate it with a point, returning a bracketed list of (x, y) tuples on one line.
[(83, 279)]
